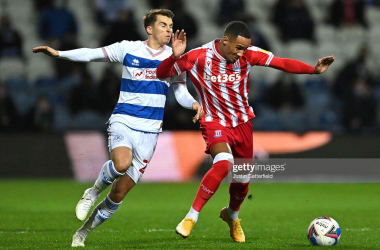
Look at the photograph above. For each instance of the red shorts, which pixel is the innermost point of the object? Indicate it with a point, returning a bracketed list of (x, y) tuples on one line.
[(238, 138)]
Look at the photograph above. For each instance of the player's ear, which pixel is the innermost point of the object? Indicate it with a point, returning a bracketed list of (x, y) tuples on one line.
[(149, 30), (225, 40)]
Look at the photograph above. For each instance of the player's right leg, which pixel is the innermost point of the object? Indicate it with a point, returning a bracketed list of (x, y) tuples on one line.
[(217, 140), (120, 145), (223, 161)]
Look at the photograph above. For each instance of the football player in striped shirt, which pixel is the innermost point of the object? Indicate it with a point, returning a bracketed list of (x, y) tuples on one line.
[(136, 121), (219, 71)]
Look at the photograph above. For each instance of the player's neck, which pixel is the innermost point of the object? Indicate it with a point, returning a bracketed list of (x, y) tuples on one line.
[(153, 44)]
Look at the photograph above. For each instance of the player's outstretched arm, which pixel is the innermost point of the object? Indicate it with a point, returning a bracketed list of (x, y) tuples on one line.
[(46, 50), (297, 67), (178, 43), (78, 55), (323, 64)]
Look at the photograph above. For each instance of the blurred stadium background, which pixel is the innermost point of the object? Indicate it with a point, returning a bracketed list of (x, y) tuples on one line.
[(53, 112)]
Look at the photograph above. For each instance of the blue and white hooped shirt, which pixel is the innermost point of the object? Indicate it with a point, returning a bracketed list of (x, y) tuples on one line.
[(142, 96)]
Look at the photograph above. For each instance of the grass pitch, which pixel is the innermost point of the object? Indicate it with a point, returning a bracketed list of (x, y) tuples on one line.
[(39, 214)]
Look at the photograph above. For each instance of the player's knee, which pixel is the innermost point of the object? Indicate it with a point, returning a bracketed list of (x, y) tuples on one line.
[(224, 157), (122, 158), (122, 165), (223, 168)]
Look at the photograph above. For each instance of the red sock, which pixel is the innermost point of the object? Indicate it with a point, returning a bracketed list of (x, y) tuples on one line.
[(238, 192), (210, 183)]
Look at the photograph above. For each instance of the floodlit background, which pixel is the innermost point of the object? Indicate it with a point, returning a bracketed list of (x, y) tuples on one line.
[(53, 112)]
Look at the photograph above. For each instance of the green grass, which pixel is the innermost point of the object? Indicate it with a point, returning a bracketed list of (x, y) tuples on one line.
[(39, 214)]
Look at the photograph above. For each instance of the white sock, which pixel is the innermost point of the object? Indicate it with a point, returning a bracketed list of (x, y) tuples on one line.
[(84, 232), (106, 177), (233, 215), (102, 212), (94, 192), (193, 214)]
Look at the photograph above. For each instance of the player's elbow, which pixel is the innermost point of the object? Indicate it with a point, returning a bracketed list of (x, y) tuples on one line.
[(182, 103)]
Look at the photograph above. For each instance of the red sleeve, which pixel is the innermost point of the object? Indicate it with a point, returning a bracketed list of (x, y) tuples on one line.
[(166, 68), (260, 57), (171, 66), (257, 56), (291, 66)]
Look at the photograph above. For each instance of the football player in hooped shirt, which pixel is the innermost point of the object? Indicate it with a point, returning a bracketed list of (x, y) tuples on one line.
[(137, 118), (219, 71)]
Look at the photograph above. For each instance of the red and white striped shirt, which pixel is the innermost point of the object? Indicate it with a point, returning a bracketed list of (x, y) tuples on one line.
[(223, 87)]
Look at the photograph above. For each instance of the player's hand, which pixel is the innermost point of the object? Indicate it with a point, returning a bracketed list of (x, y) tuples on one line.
[(323, 64), (178, 43), (46, 50), (197, 107)]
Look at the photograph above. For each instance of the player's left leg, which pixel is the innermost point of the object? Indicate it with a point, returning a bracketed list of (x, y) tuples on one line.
[(230, 214), (120, 143), (105, 209), (143, 149)]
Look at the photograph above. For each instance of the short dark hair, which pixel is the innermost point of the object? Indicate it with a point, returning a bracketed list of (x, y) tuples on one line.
[(150, 17), (237, 28)]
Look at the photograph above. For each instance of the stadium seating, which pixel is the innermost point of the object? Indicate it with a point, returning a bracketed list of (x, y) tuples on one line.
[(62, 118), (12, 67), (343, 44), (21, 93), (88, 120), (17, 84)]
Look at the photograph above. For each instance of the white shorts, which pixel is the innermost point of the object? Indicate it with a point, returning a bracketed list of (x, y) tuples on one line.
[(142, 146)]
